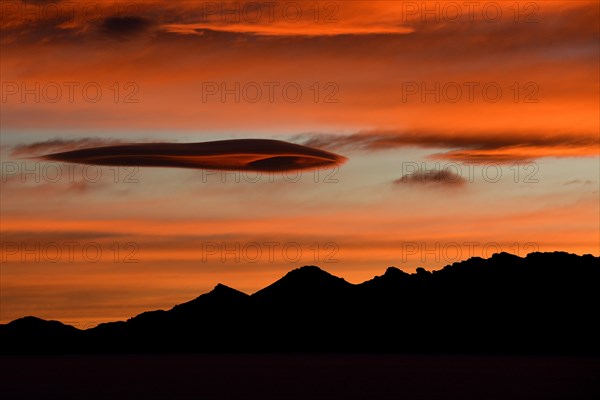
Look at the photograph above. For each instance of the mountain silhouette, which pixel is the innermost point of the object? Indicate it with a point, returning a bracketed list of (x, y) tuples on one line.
[(306, 283), (544, 303)]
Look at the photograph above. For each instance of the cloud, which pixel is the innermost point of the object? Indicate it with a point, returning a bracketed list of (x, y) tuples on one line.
[(123, 27), (444, 177), (62, 145), (305, 18), (489, 147), (273, 30), (559, 55), (301, 18), (241, 154), (44, 20)]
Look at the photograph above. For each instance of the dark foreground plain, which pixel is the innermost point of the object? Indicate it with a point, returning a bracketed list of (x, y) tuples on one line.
[(299, 376)]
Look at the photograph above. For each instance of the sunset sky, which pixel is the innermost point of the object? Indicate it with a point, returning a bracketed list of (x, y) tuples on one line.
[(462, 129)]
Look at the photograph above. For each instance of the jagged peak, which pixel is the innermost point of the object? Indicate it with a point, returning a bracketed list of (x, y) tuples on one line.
[(221, 289)]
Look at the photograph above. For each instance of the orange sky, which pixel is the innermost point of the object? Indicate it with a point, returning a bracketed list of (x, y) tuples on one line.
[(396, 87)]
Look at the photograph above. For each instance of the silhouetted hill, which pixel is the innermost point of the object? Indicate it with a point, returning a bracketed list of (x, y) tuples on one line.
[(36, 326), (307, 283), (545, 303), (37, 335)]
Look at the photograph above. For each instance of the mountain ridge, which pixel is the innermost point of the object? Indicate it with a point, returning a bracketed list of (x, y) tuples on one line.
[(543, 302)]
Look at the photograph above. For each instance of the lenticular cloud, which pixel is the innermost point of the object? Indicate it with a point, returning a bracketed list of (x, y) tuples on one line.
[(241, 154)]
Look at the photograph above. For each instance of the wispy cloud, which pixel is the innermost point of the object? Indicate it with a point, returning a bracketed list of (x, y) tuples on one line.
[(467, 147), (60, 145), (440, 178)]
